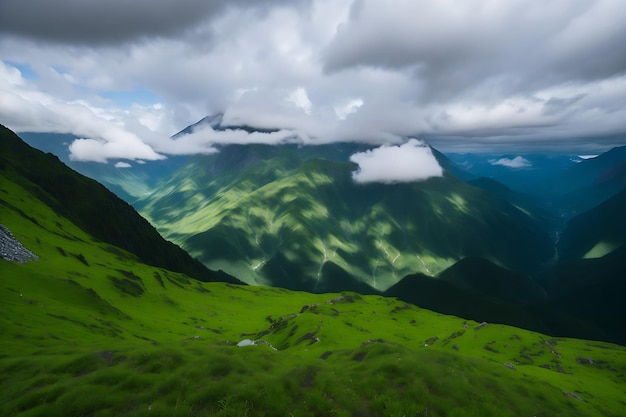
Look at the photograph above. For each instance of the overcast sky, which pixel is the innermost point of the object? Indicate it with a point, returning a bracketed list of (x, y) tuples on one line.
[(482, 75)]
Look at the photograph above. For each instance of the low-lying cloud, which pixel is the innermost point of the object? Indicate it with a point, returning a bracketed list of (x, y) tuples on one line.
[(517, 162), (409, 162)]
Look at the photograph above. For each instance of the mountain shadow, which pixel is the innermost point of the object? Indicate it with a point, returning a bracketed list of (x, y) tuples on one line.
[(447, 298), (480, 277)]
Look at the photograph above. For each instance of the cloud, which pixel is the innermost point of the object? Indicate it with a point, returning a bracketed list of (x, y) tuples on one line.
[(352, 106), (122, 165), (517, 162), (300, 99), (102, 136), (483, 45), (518, 75), (96, 22), (204, 138), (409, 162)]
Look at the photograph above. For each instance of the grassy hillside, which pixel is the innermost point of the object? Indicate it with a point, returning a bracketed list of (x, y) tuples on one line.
[(88, 330), (289, 217), (91, 206)]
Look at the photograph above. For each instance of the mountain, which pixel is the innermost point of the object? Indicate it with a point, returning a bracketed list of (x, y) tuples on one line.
[(91, 207), (89, 330), (565, 185), (582, 299), (129, 180), (589, 281), (289, 216), (595, 232), (591, 290), (585, 185), (481, 277), (448, 297), (518, 172)]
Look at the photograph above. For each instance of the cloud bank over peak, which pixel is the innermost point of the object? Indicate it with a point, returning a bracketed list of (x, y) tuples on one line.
[(410, 162)]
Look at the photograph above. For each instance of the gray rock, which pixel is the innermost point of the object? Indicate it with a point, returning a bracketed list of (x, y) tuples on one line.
[(246, 342), (11, 249)]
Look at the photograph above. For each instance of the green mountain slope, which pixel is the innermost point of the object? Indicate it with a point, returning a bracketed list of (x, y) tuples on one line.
[(293, 217), (596, 232), (88, 329), (91, 207)]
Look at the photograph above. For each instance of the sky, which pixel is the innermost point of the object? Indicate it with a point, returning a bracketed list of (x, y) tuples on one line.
[(473, 75)]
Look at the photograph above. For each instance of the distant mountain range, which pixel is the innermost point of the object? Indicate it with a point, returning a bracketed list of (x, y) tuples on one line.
[(537, 247)]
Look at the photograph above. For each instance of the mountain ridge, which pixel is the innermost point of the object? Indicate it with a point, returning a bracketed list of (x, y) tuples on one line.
[(210, 204), (103, 214)]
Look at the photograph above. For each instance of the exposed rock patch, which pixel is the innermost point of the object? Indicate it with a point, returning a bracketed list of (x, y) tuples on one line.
[(11, 249)]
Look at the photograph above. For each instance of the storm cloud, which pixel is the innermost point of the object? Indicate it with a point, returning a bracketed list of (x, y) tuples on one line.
[(95, 22), (474, 75)]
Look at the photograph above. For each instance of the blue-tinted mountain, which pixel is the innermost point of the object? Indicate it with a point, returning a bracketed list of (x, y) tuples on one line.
[(586, 184), (532, 169), (564, 185)]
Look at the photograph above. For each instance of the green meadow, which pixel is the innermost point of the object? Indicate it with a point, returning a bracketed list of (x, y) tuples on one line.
[(88, 330)]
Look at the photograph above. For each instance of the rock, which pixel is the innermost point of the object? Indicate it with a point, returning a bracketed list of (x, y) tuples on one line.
[(584, 361), (431, 341), (246, 342), (481, 325), (326, 354), (572, 395), (11, 249), (342, 299), (510, 366), (369, 342)]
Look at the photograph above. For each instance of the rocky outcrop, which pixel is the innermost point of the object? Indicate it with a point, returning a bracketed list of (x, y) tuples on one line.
[(11, 249)]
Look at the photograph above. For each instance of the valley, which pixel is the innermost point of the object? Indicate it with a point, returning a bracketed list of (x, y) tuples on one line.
[(96, 326)]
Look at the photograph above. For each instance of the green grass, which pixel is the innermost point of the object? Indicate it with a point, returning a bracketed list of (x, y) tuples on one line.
[(87, 330)]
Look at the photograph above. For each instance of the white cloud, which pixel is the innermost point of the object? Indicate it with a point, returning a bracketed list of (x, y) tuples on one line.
[(300, 99), (519, 73), (122, 165), (204, 138), (517, 162), (352, 106), (409, 162)]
